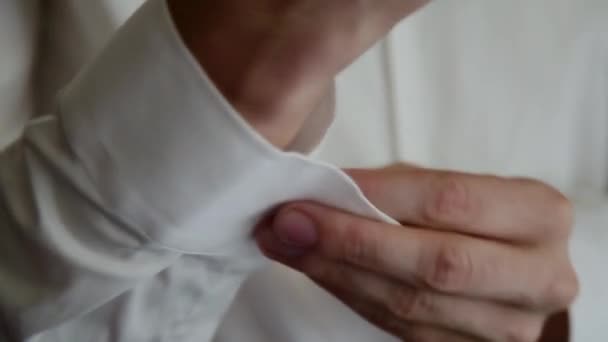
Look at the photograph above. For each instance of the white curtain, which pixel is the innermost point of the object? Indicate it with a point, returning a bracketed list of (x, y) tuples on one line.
[(503, 86)]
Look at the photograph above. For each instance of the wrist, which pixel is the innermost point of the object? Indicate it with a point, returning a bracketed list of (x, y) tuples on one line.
[(219, 39), (228, 40)]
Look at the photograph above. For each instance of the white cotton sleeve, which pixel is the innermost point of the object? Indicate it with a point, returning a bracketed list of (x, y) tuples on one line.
[(142, 162)]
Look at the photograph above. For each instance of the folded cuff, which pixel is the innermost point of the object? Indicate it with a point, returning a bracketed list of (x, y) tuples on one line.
[(171, 156)]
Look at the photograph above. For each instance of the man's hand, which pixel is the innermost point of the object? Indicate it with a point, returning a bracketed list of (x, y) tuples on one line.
[(276, 60), (476, 258)]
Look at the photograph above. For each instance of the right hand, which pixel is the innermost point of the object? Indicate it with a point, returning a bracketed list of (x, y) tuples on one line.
[(477, 257), (276, 60)]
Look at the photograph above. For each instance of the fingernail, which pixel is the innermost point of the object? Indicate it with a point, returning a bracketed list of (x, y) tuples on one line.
[(295, 229)]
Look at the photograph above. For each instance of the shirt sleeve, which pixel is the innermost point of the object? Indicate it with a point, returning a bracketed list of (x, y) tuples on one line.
[(142, 162), (589, 249)]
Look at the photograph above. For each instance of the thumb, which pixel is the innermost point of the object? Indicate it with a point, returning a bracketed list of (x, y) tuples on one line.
[(290, 233)]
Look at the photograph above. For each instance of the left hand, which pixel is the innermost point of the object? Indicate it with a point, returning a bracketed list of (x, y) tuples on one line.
[(477, 257)]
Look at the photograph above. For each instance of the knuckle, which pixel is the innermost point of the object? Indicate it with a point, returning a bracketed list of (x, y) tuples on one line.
[(408, 304), (562, 292), (449, 200), (448, 268)]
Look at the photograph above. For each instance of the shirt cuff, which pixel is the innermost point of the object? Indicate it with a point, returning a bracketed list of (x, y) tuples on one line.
[(589, 250), (172, 157)]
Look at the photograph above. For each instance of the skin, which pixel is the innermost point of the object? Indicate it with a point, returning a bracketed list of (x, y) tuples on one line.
[(477, 258), (276, 60), (490, 247)]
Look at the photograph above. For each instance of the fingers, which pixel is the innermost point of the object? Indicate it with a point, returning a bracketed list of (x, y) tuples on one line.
[(485, 320), (449, 263), (516, 210), (477, 255)]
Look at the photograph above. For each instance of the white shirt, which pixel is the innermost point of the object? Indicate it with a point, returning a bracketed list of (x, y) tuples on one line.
[(126, 212)]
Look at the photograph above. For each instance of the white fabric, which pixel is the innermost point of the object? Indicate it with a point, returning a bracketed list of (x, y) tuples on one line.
[(125, 214)]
